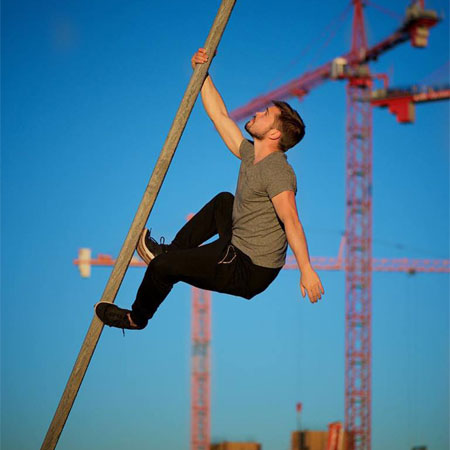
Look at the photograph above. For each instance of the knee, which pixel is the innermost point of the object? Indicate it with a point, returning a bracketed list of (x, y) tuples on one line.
[(225, 197), (160, 271), (248, 295)]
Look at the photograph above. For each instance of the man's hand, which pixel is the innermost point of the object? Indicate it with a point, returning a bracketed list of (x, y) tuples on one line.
[(310, 282), (200, 57)]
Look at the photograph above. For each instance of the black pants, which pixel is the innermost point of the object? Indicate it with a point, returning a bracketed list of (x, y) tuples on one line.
[(218, 266)]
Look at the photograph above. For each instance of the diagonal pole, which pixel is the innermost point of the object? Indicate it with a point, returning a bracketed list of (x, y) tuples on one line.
[(139, 221)]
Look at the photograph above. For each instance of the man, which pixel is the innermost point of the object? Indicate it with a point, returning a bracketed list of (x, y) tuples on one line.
[(254, 227)]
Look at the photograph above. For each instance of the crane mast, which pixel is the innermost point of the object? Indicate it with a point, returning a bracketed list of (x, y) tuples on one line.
[(200, 376), (358, 226)]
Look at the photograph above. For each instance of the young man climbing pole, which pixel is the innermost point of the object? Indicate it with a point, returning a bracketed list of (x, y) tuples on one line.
[(253, 227)]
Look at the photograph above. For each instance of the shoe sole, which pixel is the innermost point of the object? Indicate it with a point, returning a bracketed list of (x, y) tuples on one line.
[(145, 254), (97, 313), (126, 326)]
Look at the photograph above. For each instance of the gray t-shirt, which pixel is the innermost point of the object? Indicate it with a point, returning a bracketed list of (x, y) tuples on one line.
[(257, 231)]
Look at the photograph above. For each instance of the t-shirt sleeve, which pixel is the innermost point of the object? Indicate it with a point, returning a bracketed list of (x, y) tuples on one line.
[(246, 150), (281, 178)]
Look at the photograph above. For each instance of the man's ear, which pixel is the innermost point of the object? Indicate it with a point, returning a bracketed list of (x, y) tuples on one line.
[(274, 134)]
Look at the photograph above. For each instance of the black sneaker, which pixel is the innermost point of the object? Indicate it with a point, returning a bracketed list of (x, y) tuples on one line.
[(113, 316), (148, 248)]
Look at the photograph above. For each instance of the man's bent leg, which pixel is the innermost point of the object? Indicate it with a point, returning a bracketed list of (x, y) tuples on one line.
[(218, 267), (196, 266), (214, 218)]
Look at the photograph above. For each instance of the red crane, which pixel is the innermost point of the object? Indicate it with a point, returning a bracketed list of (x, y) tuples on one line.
[(332, 263), (200, 370), (354, 67)]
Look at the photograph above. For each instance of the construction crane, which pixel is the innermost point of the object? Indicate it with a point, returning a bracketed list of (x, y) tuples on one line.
[(200, 370), (354, 68), (331, 263)]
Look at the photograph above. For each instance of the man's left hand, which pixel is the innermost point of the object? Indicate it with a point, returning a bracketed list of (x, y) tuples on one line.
[(310, 283)]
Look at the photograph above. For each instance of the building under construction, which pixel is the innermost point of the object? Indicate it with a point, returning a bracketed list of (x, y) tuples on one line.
[(236, 446), (333, 439)]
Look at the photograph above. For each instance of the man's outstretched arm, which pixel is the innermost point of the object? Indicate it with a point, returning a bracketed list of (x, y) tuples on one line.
[(216, 109), (286, 210)]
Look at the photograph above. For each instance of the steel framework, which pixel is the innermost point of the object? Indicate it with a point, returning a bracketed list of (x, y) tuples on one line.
[(200, 367), (358, 225)]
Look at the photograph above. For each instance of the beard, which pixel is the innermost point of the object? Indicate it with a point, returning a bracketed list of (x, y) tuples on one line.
[(258, 136)]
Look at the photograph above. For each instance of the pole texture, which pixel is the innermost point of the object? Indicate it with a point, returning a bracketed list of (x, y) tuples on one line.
[(138, 224)]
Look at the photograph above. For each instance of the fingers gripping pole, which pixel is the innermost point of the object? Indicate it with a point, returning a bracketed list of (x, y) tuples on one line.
[(139, 221)]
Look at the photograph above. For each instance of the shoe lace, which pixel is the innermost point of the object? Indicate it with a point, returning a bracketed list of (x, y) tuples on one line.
[(162, 240)]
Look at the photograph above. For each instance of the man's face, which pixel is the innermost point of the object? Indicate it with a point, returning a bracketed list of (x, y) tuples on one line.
[(262, 122)]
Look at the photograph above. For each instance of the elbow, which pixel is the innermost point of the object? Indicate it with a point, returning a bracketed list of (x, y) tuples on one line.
[(290, 222)]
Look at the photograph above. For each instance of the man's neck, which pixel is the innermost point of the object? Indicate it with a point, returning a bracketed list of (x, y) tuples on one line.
[(264, 148)]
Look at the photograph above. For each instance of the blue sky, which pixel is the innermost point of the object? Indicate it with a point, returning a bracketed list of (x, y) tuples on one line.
[(89, 90)]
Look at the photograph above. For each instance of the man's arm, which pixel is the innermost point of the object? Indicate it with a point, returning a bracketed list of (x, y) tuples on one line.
[(286, 210), (216, 109)]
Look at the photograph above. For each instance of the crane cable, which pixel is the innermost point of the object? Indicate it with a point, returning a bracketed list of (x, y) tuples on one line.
[(337, 21), (332, 34), (386, 11), (435, 77)]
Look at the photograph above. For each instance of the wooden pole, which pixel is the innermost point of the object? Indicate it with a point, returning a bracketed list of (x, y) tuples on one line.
[(138, 224)]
